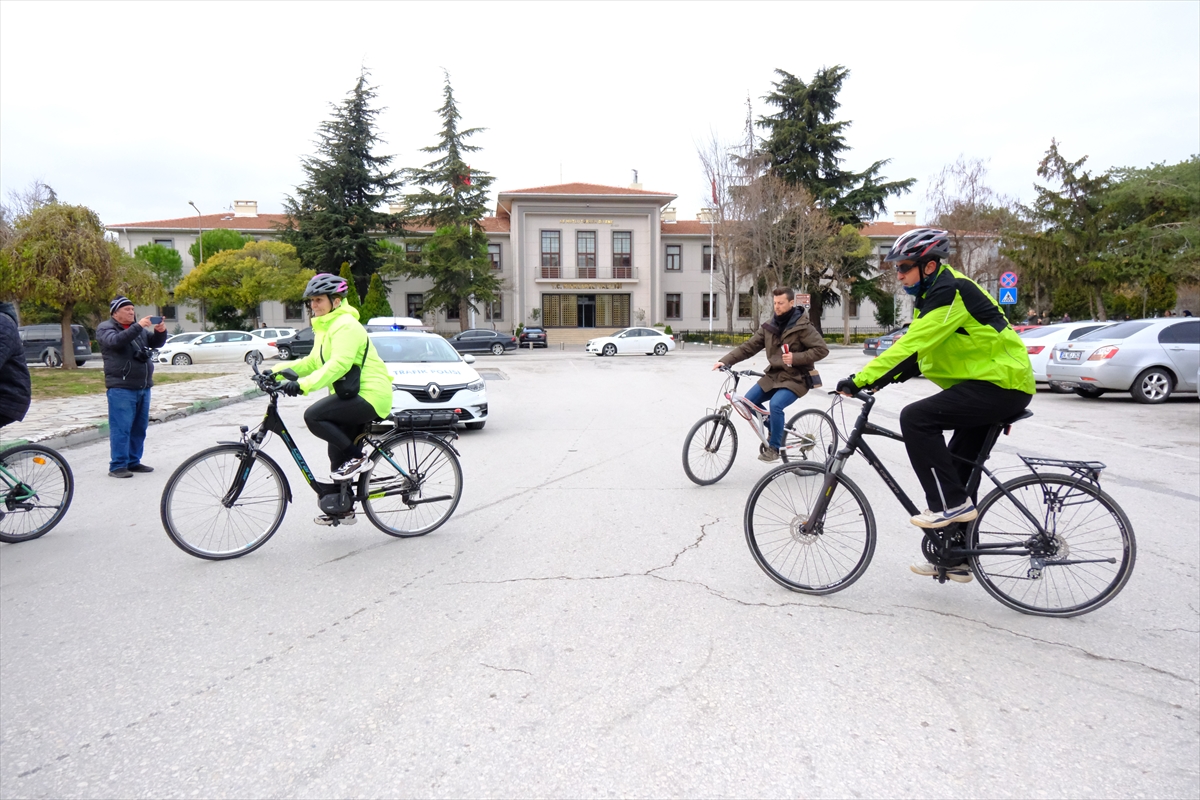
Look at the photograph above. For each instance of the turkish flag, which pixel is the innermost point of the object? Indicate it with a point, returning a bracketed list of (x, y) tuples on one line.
[(714, 187)]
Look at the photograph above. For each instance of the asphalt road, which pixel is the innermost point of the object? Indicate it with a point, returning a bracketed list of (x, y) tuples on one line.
[(590, 623)]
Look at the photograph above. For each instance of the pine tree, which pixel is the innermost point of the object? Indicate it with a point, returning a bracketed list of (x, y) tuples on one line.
[(351, 290), (334, 218), (376, 304)]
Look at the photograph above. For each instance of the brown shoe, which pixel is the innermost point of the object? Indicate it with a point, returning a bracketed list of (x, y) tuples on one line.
[(140, 468), (120, 473)]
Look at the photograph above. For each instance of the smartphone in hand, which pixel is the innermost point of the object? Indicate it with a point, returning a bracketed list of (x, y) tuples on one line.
[(156, 320)]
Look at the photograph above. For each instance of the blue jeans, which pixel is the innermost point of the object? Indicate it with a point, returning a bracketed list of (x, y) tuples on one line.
[(780, 399), (128, 417)]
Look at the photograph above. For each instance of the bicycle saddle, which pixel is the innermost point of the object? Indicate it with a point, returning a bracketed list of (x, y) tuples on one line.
[(1026, 414)]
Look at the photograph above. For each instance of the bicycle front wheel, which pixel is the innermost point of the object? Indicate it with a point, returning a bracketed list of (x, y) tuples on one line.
[(38, 487), (413, 486), (828, 559), (1086, 561), (809, 436), (202, 516), (709, 449)]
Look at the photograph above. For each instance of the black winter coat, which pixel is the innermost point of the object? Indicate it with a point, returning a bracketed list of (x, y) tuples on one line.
[(126, 354), (14, 375)]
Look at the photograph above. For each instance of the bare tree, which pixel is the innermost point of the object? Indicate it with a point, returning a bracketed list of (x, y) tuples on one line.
[(974, 214), (21, 204), (723, 174)]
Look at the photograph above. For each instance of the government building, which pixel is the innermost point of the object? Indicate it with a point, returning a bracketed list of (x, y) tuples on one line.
[(576, 258)]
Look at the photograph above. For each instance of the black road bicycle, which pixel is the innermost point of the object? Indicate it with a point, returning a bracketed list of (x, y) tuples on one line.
[(1048, 543), (36, 487), (712, 443), (228, 500)]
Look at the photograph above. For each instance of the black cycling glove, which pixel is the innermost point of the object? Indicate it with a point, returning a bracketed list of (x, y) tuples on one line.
[(290, 388), (847, 386)]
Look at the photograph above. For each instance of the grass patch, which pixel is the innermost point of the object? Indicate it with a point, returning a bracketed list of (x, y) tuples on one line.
[(48, 383)]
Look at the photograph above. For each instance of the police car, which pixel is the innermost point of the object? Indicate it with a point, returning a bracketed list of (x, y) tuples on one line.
[(427, 373)]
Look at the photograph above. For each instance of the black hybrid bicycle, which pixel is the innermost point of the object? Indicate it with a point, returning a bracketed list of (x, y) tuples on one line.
[(36, 487), (1048, 543), (228, 500)]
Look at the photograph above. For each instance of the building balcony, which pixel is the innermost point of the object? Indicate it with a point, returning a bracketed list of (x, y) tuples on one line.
[(585, 275)]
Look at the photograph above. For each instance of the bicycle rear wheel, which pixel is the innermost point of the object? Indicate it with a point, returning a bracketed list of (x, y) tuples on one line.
[(419, 499), (193, 506), (41, 496), (1088, 531), (827, 560), (709, 449), (809, 436)]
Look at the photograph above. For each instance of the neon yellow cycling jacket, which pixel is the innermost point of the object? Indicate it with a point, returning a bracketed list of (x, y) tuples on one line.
[(958, 333), (338, 345)]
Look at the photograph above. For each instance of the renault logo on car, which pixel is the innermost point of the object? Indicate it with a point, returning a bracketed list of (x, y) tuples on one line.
[(434, 390)]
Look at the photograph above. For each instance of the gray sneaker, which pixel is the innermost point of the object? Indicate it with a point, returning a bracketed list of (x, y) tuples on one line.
[(959, 574), (768, 454)]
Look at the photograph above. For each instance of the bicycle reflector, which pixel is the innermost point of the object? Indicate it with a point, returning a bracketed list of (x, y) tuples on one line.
[(39, 460), (1034, 349), (1104, 352)]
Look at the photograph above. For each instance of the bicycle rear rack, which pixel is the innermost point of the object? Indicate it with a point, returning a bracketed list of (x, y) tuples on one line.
[(1086, 470)]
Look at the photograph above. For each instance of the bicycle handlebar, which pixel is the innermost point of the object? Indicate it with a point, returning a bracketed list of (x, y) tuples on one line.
[(265, 380), (731, 370)]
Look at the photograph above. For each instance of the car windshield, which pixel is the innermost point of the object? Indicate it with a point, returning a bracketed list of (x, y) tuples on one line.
[(1122, 330), (1036, 333), (414, 349)]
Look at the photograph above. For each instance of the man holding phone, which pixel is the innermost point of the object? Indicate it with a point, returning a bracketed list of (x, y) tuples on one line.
[(128, 377)]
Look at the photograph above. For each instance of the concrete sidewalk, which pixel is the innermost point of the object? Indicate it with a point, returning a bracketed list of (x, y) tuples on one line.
[(64, 422)]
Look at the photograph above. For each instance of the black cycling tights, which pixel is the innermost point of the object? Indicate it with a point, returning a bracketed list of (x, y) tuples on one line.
[(338, 421)]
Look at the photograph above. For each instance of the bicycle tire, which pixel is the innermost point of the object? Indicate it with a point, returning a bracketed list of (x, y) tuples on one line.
[(815, 423), (405, 507), (1087, 525), (706, 464), (24, 518), (819, 563), (198, 522)]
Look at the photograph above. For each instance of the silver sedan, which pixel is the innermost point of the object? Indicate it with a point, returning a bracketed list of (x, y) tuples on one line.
[(1149, 358)]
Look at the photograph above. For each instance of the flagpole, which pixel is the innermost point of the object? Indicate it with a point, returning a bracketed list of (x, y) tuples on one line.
[(712, 258)]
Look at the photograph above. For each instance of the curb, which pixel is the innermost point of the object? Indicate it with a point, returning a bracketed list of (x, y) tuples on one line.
[(94, 431)]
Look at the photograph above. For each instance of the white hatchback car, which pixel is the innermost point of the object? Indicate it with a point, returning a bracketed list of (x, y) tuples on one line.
[(218, 346), (274, 333), (632, 340), (1040, 341), (428, 374)]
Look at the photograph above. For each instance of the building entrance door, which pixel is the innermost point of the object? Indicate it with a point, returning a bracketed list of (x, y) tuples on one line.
[(586, 307)]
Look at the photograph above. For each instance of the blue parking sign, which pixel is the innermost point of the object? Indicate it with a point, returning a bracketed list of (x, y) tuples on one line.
[(1008, 297)]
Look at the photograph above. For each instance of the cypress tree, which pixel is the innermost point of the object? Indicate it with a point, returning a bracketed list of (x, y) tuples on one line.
[(376, 304), (351, 291)]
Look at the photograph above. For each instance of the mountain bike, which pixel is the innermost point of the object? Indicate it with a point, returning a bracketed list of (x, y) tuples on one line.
[(711, 445), (228, 500), (1049, 543), (36, 487)]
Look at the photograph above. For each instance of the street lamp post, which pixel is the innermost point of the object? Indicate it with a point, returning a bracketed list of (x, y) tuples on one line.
[(200, 244)]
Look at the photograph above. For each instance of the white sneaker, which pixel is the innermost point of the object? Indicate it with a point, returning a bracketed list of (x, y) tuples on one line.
[(940, 519), (767, 454), (324, 519), (351, 468), (959, 574)]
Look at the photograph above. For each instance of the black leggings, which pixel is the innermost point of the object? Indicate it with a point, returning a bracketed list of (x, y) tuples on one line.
[(969, 409), (338, 421)]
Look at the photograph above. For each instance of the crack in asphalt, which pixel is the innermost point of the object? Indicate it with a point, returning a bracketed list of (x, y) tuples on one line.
[(1073, 647), (506, 669)]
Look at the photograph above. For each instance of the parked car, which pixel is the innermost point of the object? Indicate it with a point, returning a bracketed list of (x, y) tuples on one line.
[(1040, 340), (427, 374), (218, 346), (298, 345), (379, 324), (632, 340), (183, 338), (871, 345), (1022, 328), (43, 343), (274, 333), (1149, 358), (534, 337), (483, 340)]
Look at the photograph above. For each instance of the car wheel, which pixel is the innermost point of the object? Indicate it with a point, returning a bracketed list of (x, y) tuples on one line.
[(51, 358), (1152, 386), (610, 350), (285, 354), (497, 349), (1091, 394), (181, 359), (475, 426), (660, 349), (254, 357)]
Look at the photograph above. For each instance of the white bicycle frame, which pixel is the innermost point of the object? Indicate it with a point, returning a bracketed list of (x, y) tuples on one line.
[(760, 422)]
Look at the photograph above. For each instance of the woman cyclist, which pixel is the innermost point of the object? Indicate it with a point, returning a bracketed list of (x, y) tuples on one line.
[(340, 345)]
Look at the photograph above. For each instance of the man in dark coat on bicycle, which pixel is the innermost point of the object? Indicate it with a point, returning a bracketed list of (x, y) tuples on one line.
[(793, 346), (961, 341)]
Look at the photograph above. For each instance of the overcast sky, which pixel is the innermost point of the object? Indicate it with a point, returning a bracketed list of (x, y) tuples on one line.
[(134, 109)]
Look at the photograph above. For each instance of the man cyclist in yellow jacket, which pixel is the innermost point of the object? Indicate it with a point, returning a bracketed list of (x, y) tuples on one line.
[(959, 339)]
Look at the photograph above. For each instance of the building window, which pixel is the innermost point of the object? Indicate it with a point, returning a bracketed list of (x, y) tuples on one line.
[(854, 306), (293, 311), (413, 252), (551, 254), (452, 313), (168, 312), (707, 311), (413, 302), (166, 243), (494, 255), (494, 312), (674, 257), (622, 254), (673, 307), (745, 305), (585, 254), (706, 263)]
